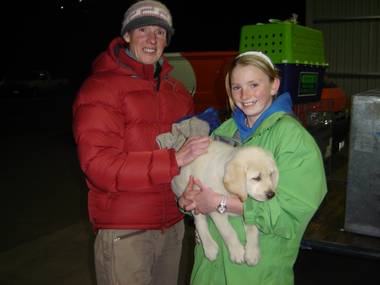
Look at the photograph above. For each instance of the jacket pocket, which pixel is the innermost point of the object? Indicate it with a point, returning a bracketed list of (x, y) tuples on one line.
[(124, 234)]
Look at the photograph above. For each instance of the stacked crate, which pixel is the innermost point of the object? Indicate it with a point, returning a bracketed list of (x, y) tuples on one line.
[(298, 53)]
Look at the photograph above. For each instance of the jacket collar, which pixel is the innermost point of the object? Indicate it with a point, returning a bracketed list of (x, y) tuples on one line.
[(229, 131), (115, 58)]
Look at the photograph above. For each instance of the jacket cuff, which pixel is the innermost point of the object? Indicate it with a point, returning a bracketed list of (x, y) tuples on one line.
[(265, 216)]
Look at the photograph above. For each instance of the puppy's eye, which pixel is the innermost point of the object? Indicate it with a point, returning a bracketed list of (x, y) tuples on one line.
[(256, 178)]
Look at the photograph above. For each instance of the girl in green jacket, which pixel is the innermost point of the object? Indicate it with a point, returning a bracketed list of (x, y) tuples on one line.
[(261, 118)]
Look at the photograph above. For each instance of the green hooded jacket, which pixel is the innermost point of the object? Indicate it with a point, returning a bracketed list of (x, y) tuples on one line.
[(283, 219)]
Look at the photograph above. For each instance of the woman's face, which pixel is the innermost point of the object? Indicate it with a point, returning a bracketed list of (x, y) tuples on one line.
[(252, 91), (147, 43)]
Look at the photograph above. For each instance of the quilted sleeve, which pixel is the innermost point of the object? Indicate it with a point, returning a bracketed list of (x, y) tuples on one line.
[(98, 131)]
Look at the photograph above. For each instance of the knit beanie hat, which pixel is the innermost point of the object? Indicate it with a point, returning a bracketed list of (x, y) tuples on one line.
[(146, 13)]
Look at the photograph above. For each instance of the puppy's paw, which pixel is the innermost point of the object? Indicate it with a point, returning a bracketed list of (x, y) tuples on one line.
[(252, 256), (237, 254), (211, 250)]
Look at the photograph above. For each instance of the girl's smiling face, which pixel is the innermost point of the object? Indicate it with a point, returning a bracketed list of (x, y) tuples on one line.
[(252, 91)]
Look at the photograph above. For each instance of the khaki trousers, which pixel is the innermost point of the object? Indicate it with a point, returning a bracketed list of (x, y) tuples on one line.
[(138, 257)]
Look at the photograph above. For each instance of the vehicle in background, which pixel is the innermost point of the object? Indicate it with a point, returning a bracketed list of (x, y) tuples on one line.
[(31, 83), (298, 53)]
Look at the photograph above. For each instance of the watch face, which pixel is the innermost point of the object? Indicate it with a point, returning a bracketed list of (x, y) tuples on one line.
[(221, 209)]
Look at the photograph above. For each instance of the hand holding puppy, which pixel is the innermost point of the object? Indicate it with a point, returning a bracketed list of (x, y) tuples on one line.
[(191, 149)]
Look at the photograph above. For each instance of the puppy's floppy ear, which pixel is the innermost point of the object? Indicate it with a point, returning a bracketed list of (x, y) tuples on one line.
[(274, 174), (235, 180)]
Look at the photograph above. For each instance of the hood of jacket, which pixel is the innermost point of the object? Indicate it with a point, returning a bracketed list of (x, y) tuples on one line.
[(282, 103)]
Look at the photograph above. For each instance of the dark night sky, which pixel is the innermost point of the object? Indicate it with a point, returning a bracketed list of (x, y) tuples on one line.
[(37, 34)]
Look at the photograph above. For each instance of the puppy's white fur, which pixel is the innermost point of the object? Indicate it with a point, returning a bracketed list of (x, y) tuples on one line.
[(237, 172)]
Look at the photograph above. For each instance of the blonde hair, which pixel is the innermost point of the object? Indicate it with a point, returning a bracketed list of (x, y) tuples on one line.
[(250, 58)]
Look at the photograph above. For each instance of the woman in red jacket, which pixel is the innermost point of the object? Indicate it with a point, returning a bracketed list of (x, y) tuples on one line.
[(127, 101)]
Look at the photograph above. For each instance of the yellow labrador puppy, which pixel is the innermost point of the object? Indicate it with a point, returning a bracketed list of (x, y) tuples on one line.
[(230, 171)]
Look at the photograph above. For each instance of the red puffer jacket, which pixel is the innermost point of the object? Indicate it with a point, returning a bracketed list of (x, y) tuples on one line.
[(117, 115)]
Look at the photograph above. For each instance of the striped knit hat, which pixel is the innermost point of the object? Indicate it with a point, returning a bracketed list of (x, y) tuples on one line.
[(146, 13)]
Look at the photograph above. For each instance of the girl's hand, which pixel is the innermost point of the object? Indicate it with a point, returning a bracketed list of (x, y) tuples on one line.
[(206, 201), (186, 201)]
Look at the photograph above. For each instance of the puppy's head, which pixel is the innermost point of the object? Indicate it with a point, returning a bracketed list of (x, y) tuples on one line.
[(252, 171)]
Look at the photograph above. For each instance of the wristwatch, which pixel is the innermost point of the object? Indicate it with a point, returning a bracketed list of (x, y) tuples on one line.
[(222, 207)]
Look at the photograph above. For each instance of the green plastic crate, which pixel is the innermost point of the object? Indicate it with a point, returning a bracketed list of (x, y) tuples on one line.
[(285, 42)]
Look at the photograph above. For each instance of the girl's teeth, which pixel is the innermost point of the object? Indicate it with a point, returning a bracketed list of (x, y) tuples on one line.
[(249, 103)]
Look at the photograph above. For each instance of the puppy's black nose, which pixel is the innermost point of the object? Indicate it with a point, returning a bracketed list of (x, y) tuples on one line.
[(270, 194)]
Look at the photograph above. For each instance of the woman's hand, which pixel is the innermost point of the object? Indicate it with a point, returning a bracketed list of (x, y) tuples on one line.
[(191, 149)]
